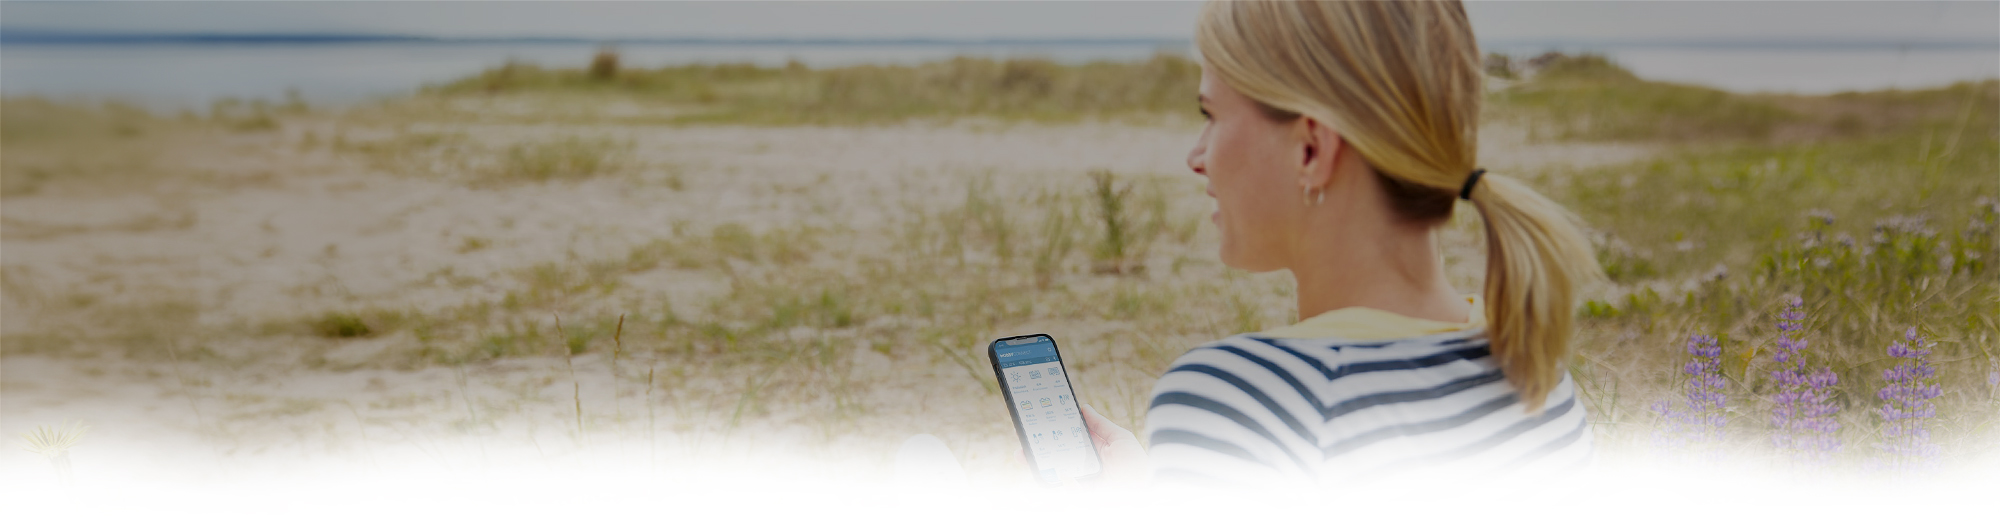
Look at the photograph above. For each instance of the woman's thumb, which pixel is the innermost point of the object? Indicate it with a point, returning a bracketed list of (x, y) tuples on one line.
[(1102, 428)]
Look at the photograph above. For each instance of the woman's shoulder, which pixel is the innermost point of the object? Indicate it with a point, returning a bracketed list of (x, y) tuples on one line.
[(1257, 368), (1333, 350)]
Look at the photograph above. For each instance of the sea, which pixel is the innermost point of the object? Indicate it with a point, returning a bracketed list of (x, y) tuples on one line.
[(171, 76)]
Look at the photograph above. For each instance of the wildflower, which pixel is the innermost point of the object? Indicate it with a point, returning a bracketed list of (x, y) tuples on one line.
[(1906, 407), (1980, 221), (54, 443), (1704, 395), (1702, 419), (1802, 412), (1669, 435), (1914, 225), (1993, 378)]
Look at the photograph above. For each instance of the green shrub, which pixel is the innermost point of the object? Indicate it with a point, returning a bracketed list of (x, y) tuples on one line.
[(604, 66), (1017, 88), (1590, 97), (568, 158), (341, 325)]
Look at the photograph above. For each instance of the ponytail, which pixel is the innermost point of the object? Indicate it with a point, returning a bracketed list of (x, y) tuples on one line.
[(1536, 262), (1403, 82)]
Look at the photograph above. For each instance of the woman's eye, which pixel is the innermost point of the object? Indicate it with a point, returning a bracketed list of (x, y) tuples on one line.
[(1204, 115)]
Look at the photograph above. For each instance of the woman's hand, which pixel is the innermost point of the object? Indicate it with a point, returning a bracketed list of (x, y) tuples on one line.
[(1125, 461)]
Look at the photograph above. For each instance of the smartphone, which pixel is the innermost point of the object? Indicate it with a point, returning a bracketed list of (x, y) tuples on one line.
[(1046, 416)]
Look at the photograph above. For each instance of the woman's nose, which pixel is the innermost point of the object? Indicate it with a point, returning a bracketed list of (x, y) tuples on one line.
[(1196, 159)]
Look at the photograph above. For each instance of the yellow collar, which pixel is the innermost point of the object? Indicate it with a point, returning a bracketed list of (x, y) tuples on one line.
[(1361, 323)]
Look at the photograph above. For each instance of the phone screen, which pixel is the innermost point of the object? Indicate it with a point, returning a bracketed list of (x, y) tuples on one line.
[(1045, 409)]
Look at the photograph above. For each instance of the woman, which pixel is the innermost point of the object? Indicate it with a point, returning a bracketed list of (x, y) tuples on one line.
[(1340, 136)]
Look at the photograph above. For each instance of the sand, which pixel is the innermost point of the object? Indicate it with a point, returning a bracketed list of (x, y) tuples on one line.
[(269, 227)]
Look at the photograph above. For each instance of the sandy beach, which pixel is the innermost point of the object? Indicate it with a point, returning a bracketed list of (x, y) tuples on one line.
[(174, 313)]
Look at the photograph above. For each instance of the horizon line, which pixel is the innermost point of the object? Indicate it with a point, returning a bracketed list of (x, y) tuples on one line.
[(37, 37)]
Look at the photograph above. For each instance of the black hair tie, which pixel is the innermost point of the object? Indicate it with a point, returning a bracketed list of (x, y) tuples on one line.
[(1466, 192)]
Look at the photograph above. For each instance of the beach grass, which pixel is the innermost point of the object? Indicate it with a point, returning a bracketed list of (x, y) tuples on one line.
[(1591, 98), (1877, 234), (1015, 88), (1874, 207)]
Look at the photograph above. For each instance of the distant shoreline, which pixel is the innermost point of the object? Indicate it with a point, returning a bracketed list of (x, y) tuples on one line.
[(182, 72), (44, 37), (36, 37)]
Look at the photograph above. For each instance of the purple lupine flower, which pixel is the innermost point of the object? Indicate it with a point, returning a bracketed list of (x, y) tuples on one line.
[(1906, 407), (1704, 394), (1702, 419), (1993, 377), (1669, 435), (1803, 410)]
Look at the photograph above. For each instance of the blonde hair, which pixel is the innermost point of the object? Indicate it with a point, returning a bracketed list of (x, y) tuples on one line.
[(1402, 83)]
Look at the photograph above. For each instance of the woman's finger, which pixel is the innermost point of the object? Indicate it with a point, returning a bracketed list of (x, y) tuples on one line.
[(1102, 430), (1124, 458)]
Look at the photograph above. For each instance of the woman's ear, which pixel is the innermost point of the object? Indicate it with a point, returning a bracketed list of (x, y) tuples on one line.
[(1321, 149)]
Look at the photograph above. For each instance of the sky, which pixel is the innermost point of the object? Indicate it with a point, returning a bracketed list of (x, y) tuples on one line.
[(1494, 21)]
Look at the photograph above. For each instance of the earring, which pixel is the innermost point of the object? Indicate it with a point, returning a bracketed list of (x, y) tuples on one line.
[(1313, 196)]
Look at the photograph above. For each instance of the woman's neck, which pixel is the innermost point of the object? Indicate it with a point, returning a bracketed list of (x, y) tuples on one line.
[(1395, 269)]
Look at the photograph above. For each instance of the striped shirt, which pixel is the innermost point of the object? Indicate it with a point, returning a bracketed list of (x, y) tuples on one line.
[(1274, 406)]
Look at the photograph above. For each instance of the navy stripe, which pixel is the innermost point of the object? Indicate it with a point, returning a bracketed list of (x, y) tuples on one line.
[(1462, 339), (1335, 346), (1515, 430), (1331, 374), (1314, 362), (1460, 419), (1438, 362), (1371, 400), (1547, 448), (1495, 439), (1255, 393), (1328, 413), (1196, 440), (1225, 411), (1282, 373), (1471, 353), (1459, 337)]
